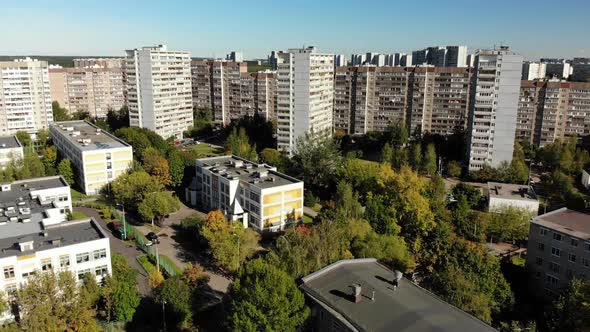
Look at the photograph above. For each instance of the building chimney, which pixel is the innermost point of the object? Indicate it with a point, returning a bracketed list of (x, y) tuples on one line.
[(356, 292)]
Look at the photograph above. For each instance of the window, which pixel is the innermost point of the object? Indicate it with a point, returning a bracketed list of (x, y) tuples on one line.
[(98, 254), (109, 165), (554, 267), (540, 246), (539, 261), (9, 272), (255, 197), (555, 251), (83, 257), (10, 289), (543, 231), (557, 236), (108, 156), (571, 257), (101, 271), (64, 261), (110, 174), (587, 246), (82, 273), (574, 242), (46, 265), (28, 274), (585, 262), (549, 279)]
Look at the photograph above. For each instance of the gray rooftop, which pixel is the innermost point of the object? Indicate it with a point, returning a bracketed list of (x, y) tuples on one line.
[(19, 197), (99, 139), (7, 142), (238, 168), (566, 221), (60, 235), (408, 308), (511, 191)]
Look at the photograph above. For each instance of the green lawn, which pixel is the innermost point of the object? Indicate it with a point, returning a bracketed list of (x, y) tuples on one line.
[(76, 195), (146, 263), (204, 149), (255, 68), (78, 215)]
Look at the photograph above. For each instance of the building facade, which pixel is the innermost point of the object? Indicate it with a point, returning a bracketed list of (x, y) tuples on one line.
[(558, 251), (118, 63), (425, 99), (441, 56), (25, 99), (305, 95), (255, 194), (231, 92), (551, 110), (534, 70), (508, 195), (493, 107), (159, 90), (95, 90), (10, 149), (97, 156)]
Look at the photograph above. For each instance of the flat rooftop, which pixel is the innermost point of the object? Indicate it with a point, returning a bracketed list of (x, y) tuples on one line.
[(511, 191), (17, 202), (9, 142), (408, 308), (566, 221), (78, 131), (54, 236), (260, 175)]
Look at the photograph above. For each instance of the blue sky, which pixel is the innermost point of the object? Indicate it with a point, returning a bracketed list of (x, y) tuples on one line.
[(213, 28)]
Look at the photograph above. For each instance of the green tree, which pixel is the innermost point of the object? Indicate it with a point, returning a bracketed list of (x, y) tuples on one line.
[(416, 156), (381, 216), (175, 293), (509, 223), (130, 189), (157, 166), (430, 161), (176, 166), (156, 205), (230, 243), (65, 169), (43, 137), (238, 143), (49, 157), (54, 302), (30, 167), (397, 135), (453, 169), (387, 154), (59, 113), (118, 119), (273, 157), (471, 193), (347, 202), (264, 298), (571, 311), (24, 138), (120, 294)]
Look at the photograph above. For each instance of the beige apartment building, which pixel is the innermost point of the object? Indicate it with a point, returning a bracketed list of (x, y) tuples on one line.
[(426, 99), (231, 92), (25, 100), (94, 89), (100, 62), (97, 156), (551, 110)]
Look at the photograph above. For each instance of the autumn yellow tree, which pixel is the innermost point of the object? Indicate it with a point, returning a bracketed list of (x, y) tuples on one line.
[(157, 166)]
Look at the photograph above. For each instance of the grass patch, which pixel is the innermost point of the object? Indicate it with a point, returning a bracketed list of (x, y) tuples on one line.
[(76, 195), (204, 149), (255, 68), (518, 261), (307, 219), (166, 261), (146, 263), (75, 215)]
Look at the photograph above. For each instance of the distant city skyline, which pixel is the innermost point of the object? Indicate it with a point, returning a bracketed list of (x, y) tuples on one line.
[(534, 29)]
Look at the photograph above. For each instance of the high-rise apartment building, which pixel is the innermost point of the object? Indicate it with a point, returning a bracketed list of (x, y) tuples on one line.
[(425, 99), (235, 56), (441, 56), (456, 56), (557, 68), (25, 100), (100, 62), (305, 95), (405, 60), (339, 60), (231, 92), (159, 90), (551, 110), (95, 90), (358, 59), (533, 70), (493, 107)]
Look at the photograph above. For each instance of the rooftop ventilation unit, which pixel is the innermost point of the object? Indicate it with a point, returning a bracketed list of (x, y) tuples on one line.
[(356, 292), (3, 145)]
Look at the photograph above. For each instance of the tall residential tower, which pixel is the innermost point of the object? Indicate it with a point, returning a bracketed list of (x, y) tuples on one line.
[(159, 90), (493, 107), (305, 95)]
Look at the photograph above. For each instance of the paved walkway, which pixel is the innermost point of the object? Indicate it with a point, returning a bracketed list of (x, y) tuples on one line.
[(121, 247), (179, 252)]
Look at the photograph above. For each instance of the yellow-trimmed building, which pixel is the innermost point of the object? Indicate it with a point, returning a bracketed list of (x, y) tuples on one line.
[(253, 193), (97, 156)]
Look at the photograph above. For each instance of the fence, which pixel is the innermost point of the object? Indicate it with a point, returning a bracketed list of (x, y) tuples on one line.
[(141, 241)]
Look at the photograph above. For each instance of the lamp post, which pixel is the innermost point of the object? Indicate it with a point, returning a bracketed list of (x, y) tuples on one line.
[(238, 259), (164, 314)]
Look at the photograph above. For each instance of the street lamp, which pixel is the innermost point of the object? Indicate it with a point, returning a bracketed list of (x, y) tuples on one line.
[(124, 219), (238, 260), (154, 242)]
